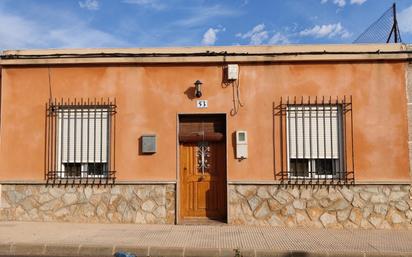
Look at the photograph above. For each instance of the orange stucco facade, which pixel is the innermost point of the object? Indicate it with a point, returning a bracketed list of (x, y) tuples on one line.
[(149, 98)]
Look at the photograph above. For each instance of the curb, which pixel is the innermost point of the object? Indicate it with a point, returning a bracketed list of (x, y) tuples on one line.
[(108, 251)]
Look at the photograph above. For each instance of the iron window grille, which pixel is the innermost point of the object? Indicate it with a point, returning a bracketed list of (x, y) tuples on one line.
[(80, 141), (313, 140)]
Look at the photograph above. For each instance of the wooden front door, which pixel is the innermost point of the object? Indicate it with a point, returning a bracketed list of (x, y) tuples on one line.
[(203, 179), (203, 192)]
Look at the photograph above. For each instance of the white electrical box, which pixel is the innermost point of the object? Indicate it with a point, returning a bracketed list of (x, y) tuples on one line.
[(241, 145), (232, 71)]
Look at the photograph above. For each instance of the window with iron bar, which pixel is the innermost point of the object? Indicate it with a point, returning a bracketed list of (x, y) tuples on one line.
[(80, 140), (314, 140)]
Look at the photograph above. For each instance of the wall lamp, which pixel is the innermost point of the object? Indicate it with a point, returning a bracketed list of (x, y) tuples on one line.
[(198, 88)]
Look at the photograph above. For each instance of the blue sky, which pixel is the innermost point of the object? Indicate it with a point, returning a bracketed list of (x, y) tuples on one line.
[(29, 24)]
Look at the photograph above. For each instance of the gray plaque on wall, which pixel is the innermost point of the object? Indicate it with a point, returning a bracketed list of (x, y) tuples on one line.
[(149, 144)]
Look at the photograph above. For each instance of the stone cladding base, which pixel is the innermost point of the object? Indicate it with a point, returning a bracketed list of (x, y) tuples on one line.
[(145, 204), (353, 206)]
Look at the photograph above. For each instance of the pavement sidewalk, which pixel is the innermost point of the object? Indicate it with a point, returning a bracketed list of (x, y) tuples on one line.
[(74, 239)]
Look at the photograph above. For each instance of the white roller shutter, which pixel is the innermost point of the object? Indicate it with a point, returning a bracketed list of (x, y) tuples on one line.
[(313, 131), (83, 136)]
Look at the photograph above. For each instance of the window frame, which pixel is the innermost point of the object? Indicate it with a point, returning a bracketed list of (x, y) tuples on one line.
[(311, 161), (94, 114), (342, 171), (61, 152)]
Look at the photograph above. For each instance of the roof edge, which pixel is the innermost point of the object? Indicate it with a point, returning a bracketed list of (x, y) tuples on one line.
[(233, 49), (211, 54)]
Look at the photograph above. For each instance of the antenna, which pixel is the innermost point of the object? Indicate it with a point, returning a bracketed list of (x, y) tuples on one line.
[(383, 30)]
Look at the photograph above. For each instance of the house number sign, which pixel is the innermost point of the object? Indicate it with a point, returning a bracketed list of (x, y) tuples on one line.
[(201, 103)]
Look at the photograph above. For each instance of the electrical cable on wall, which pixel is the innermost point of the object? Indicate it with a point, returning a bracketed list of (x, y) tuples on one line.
[(228, 80), (50, 87), (238, 93), (237, 102)]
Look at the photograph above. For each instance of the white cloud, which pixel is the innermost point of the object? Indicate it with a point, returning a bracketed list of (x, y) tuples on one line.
[(201, 15), (155, 4), (85, 37), (260, 35), (257, 35), (405, 20), (18, 32), (340, 3), (279, 39), (327, 30), (359, 2), (210, 36), (89, 4)]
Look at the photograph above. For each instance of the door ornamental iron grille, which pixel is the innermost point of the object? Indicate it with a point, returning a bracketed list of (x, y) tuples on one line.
[(203, 155), (80, 141)]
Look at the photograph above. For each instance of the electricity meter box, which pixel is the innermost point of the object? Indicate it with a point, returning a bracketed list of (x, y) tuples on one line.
[(232, 71), (148, 144), (241, 145)]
